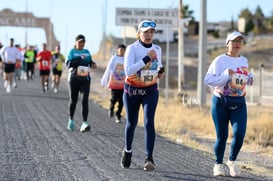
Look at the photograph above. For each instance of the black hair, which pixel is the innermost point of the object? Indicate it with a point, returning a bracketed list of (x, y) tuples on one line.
[(121, 46)]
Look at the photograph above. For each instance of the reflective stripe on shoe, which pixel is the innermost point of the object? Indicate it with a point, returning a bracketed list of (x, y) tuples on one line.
[(85, 127), (218, 170)]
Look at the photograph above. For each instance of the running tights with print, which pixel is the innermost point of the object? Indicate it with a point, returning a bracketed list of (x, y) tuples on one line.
[(221, 117), (132, 103), (77, 86)]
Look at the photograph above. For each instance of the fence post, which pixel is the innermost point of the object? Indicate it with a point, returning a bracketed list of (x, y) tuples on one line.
[(251, 90), (260, 82)]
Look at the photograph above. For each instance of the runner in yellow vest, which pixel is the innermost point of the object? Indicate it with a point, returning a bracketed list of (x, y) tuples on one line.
[(29, 61), (57, 67)]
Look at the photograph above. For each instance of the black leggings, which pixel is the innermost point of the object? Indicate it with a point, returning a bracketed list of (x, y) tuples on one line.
[(29, 68), (77, 86), (116, 96)]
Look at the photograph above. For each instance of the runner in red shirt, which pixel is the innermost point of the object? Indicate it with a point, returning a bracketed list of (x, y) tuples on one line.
[(44, 58)]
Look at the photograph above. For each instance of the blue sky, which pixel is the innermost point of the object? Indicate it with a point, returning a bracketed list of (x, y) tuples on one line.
[(87, 17)]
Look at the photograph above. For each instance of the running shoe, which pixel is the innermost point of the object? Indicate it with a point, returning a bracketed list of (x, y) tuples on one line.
[(218, 170), (55, 90), (14, 84), (126, 159), (70, 125), (110, 113), (5, 84), (118, 119), (234, 170), (8, 90), (149, 164), (85, 127), (46, 85)]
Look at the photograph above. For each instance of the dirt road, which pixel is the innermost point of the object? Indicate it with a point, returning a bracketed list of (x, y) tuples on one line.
[(35, 144)]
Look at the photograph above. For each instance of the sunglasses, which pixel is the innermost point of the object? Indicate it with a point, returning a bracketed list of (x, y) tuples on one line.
[(147, 24), (236, 41)]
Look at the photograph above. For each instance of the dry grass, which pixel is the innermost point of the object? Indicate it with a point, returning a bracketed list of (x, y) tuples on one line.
[(183, 124), (260, 127)]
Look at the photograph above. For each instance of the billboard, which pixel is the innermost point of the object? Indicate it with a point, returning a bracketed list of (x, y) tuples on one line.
[(162, 17)]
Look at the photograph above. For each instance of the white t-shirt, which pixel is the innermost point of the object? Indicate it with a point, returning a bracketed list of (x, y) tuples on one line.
[(218, 77), (10, 54)]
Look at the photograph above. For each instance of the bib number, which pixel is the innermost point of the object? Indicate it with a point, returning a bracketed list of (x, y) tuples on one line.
[(83, 71), (45, 63), (148, 75)]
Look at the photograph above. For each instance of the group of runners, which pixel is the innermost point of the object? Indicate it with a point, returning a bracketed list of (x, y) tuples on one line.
[(20, 63)]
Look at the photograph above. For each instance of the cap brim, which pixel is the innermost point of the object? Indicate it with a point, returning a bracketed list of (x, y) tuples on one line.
[(143, 29), (236, 36), (233, 36)]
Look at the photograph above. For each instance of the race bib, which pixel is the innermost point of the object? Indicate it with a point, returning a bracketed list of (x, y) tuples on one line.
[(148, 75), (45, 63), (83, 71), (238, 81)]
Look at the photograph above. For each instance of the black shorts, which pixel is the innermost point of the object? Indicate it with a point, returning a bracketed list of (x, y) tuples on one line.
[(44, 72), (9, 68), (57, 72)]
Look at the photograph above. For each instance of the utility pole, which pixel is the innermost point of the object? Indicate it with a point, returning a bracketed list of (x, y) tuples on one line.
[(180, 48), (26, 30), (104, 24), (202, 54)]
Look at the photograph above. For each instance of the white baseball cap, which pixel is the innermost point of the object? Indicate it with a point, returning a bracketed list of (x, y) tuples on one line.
[(233, 36)]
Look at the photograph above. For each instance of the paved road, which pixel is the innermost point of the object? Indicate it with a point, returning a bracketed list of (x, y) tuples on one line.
[(35, 144)]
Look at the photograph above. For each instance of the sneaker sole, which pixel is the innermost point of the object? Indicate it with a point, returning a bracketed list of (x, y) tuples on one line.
[(86, 129), (149, 167), (122, 166), (70, 129), (219, 174)]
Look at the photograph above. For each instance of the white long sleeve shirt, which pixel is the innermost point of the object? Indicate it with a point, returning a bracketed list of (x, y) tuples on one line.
[(114, 75), (218, 77), (138, 73)]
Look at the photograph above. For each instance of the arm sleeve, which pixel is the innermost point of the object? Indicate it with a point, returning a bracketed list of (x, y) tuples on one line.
[(108, 70), (2, 53), (74, 62), (131, 66), (214, 77)]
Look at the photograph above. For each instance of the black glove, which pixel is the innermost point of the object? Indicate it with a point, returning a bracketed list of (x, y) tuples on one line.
[(161, 70)]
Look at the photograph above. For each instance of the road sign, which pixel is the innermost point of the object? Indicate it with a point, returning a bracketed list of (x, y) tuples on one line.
[(132, 16)]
